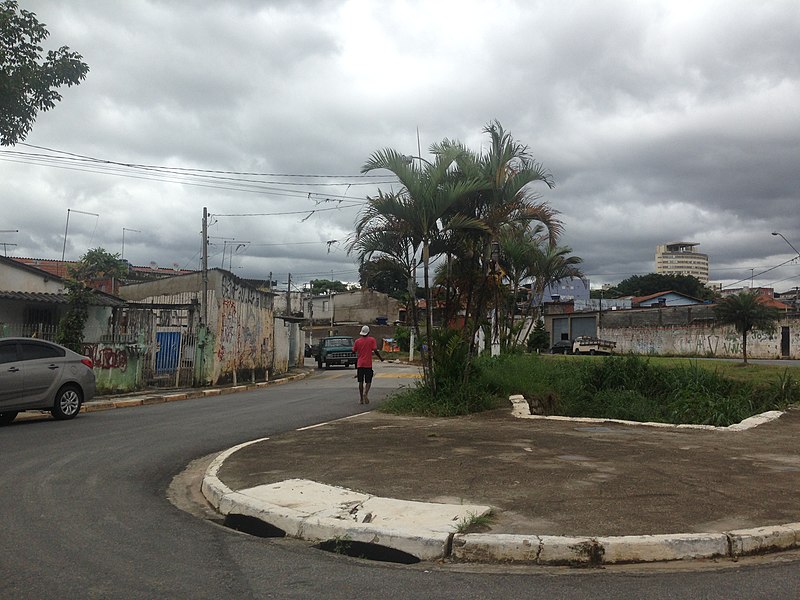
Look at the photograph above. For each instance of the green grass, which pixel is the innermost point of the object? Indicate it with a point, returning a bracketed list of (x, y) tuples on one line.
[(473, 523), (630, 387)]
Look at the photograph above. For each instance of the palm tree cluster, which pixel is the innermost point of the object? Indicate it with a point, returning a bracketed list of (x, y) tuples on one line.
[(474, 223)]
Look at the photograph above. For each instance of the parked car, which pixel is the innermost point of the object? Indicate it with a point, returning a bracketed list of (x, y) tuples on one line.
[(562, 347), (40, 375)]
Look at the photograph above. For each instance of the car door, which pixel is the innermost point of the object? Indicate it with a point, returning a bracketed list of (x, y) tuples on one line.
[(43, 365), (10, 375)]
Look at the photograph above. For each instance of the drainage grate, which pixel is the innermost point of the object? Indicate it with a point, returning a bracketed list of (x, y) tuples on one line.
[(368, 551), (253, 526)]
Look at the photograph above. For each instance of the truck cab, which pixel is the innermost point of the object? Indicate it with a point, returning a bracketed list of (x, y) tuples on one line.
[(336, 350)]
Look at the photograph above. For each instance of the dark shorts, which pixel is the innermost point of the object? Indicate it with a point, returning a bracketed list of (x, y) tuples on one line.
[(364, 374)]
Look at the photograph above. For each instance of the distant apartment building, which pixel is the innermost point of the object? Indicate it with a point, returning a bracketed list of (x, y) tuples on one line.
[(680, 258)]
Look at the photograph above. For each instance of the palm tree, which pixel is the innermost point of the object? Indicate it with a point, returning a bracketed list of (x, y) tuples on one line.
[(413, 215), (517, 247), (506, 199), (552, 264), (746, 311)]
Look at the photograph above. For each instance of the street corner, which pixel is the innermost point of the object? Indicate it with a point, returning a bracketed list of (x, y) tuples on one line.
[(318, 512)]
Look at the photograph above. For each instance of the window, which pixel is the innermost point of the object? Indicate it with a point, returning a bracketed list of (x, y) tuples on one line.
[(35, 316), (8, 352), (32, 351)]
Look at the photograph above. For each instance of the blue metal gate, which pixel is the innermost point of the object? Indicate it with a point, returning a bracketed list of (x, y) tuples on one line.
[(169, 351)]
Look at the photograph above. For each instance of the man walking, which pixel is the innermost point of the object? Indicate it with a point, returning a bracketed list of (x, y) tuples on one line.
[(364, 346)]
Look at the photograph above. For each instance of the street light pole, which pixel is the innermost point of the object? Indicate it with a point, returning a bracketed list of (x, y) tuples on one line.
[(788, 242)]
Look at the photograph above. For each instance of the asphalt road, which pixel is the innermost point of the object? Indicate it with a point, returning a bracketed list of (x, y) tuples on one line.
[(84, 514)]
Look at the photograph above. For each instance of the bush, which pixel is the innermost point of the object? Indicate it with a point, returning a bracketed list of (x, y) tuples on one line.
[(538, 340), (616, 387), (402, 336), (631, 388), (449, 401)]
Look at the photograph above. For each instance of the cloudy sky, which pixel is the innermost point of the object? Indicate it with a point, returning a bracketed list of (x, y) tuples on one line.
[(660, 121)]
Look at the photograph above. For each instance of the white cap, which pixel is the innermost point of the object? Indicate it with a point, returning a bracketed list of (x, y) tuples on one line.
[(365, 330)]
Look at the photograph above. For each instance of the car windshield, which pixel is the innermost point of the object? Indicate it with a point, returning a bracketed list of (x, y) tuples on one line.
[(340, 342)]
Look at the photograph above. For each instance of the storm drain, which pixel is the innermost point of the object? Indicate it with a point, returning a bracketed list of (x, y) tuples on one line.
[(253, 526), (368, 551)]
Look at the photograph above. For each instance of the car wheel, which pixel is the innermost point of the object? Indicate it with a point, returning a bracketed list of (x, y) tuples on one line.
[(592, 352), (319, 363), (68, 403), (327, 366), (7, 417)]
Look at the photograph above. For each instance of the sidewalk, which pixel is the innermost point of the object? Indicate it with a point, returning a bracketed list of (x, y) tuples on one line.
[(560, 491), (159, 396)]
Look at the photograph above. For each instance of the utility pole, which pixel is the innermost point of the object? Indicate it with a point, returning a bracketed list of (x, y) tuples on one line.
[(204, 299), (311, 316), (289, 295), (330, 295)]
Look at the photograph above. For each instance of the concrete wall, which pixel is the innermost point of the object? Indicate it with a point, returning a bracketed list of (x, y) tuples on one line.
[(117, 367), (703, 340), (18, 279), (280, 360), (237, 343), (692, 331), (240, 318), (360, 306)]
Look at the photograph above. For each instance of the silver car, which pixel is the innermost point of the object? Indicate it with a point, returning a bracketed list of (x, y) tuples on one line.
[(40, 375)]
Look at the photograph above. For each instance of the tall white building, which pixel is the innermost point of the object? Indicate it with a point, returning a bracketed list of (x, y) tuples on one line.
[(680, 258)]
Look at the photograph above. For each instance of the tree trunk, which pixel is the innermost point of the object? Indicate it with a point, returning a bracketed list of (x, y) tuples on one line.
[(428, 362), (744, 346)]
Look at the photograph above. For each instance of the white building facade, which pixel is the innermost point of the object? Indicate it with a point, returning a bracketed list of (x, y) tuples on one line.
[(682, 258)]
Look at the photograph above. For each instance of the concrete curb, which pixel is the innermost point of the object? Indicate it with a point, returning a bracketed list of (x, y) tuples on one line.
[(319, 513), (323, 523), (561, 550), (521, 410)]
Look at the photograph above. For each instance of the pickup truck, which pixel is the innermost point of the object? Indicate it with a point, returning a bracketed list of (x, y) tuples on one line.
[(336, 350), (592, 345)]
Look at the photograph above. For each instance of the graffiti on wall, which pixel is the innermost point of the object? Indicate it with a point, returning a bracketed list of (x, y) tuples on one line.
[(232, 290), (104, 357), (243, 335), (723, 342)]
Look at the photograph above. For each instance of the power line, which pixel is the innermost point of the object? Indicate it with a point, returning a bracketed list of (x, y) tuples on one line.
[(144, 166), (235, 186)]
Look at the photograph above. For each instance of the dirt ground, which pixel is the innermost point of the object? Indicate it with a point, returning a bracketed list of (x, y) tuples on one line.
[(549, 477)]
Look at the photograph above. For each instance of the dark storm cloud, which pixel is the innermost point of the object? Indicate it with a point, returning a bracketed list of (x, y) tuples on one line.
[(660, 121)]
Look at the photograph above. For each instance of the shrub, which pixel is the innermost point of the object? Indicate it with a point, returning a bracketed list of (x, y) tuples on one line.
[(538, 340)]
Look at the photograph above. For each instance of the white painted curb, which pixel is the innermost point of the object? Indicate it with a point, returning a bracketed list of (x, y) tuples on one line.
[(317, 512), (562, 550), (316, 519), (521, 410), (213, 489)]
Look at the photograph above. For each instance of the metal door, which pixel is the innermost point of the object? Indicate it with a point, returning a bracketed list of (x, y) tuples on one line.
[(785, 349), (169, 349)]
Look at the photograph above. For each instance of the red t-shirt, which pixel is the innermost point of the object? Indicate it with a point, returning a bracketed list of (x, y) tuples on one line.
[(364, 347)]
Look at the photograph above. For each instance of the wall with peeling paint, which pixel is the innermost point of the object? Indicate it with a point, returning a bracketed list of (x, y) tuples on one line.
[(692, 331)]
